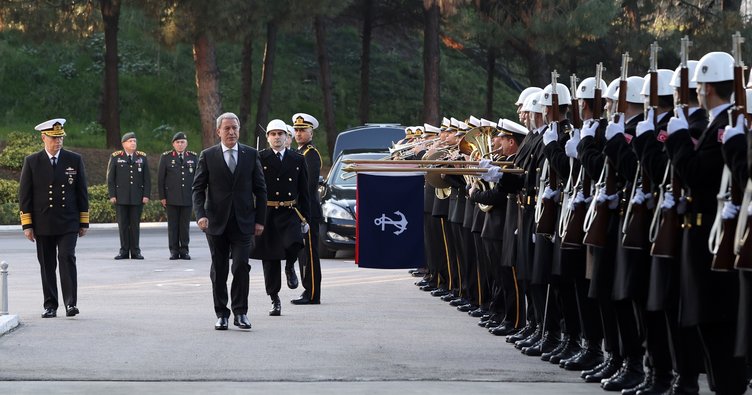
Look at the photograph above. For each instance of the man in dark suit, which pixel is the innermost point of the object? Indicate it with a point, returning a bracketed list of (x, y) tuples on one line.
[(54, 207), (174, 181), (229, 198), (304, 125), (129, 187), (288, 209)]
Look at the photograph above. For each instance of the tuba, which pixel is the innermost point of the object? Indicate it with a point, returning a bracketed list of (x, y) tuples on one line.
[(478, 144)]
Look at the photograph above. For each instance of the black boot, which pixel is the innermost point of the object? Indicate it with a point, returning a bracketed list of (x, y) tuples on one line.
[(504, 329), (530, 340), (590, 357), (546, 356), (646, 382), (631, 375), (685, 384), (571, 348), (660, 384), (610, 368), (547, 344), (523, 333)]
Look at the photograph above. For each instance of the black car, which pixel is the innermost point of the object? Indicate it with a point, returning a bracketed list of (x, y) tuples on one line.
[(337, 231)]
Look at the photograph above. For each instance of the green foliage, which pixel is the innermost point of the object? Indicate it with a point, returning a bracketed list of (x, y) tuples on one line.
[(8, 191), (9, 214), (19, 146), (102, 211)]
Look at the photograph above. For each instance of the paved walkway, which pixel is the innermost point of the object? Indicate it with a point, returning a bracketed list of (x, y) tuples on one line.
[(147, 326)]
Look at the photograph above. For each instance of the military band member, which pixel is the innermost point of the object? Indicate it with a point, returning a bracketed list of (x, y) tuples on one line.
[(54, 207), (129, 187), (304, 125), (174, 182), (287, 211)]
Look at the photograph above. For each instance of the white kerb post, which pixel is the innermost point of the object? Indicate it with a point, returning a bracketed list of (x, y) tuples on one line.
[(3, 288)]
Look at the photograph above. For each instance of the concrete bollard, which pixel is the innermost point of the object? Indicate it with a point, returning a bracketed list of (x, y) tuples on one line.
[(3, 288)]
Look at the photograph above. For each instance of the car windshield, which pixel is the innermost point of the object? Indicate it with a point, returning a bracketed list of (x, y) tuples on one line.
[(341, 178)]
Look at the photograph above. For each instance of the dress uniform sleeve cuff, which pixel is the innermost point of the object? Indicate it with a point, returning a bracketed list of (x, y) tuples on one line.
[(26, 220), (84, 219)]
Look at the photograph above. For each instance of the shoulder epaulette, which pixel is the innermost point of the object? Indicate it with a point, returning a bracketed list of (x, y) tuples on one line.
[(117, 153), (193, 153), (167, 152), (142, 153)]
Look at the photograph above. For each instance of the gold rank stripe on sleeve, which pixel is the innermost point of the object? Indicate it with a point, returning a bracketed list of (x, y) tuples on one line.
[(83, 217), (310, 147), (25, 218)]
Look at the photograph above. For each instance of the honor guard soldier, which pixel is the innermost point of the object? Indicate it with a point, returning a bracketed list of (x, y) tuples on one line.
[(54, 207), (174, 181), (304, 125), (128, 186), (287, 211)]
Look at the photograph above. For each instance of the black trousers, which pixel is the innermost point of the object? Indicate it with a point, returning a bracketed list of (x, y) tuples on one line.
[(630, 330), (470, 275), (461, 259), (657, 341), (726, 372), (590, 319), (273, 271), (178, 235), (484, 292), (310, 264), (51, 250), (232, 241), (129, 224)]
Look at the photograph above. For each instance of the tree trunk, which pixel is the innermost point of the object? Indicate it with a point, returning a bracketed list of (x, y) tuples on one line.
[(431, 99), (490, 72), (110, 111), (207, 87), (246, 74), (326, 82), (365, 61), (265, 95)]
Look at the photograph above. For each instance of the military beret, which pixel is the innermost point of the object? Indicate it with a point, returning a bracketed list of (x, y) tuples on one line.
[(177, 136), (127, 136)]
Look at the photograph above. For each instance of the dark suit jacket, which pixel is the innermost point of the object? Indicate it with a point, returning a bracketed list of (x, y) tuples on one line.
[(217, 191), (313, 161), (57, 200)]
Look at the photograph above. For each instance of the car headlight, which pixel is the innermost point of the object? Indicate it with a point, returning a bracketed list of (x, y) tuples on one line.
[(332, 210)]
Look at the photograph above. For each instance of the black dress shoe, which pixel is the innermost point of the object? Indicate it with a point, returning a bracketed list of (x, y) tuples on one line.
[(121, 256), (49, 313), (631, 375), (71, 311), (439, 292), (422, 283), (685, 384), (221, 324), (530, 340), (137, 256), (242, 321), (571, 349), (548, 343), (174, 257), (292, 278), (276, 307), (477, 313), (490, 324), (503, 330), (659, 384), (647, 381), (546, 356), (597, 368), (449, 297), (467, 307), (185, 256), (304, 299), (521, 334), (427, 288)]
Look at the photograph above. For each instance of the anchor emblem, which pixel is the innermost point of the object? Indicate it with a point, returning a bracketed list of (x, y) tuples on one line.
[(401, 225)]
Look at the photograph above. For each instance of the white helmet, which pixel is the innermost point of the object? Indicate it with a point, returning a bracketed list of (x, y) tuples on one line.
[(676, 78), (532, 104), (714, 67), (634, 87), (586, 89), (611, 90), (276, 124), (525, 93), (664, 89), (565, 98)]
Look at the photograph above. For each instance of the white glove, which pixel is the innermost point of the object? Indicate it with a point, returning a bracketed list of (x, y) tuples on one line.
[(749, 210), (485, 163), (646, 125), (571, 146), (304, 228), (551, 134), (579, 198), (639, 196), (730, 210), (551, 194), (533, 238), (668, 200), (590, 129), (732, 131), (613, 200), (677, 122), (492, 174), (615, 128)]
